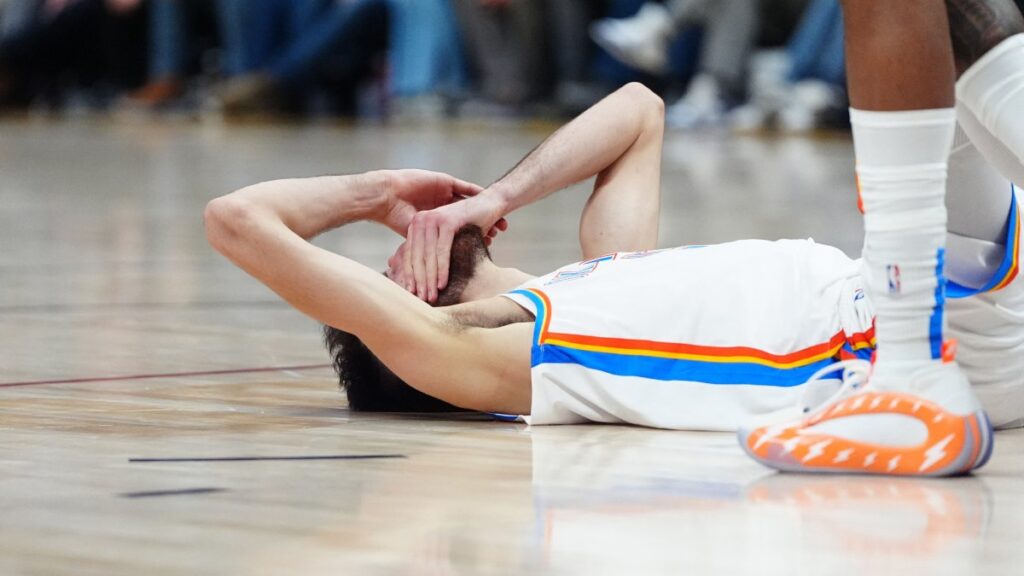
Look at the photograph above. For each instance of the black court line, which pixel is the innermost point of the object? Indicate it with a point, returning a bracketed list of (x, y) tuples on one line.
[(269, 458), (182, 492), (164, 375)]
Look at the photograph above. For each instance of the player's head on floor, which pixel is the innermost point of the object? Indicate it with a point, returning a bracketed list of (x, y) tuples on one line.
[(368, 383)]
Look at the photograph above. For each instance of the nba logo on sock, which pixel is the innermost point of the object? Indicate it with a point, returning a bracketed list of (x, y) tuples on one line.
[(893, 270)]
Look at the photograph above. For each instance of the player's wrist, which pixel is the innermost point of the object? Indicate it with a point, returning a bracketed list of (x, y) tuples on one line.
[(497, 201), (484, 210), (378, 195)]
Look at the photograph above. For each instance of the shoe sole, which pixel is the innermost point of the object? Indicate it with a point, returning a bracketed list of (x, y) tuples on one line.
[(974, 451)]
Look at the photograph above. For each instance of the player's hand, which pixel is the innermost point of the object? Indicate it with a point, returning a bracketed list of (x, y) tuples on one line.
[(397, 267), (412, 191), (430, 236), (400, 265)]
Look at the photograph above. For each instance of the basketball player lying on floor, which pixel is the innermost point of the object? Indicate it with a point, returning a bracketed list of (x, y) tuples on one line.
[(696, 338)]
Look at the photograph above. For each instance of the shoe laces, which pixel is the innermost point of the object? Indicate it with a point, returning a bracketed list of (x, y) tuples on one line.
[(854, 377)]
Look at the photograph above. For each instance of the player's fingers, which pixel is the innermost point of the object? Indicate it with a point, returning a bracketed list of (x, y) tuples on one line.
[(407, 269), (463, 188), (430, 263), (418, 279), (407, 276), (390, 273), (500, 226), (444, 256), (396, 265)]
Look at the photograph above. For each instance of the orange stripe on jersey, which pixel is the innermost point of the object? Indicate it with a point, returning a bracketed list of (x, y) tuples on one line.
[(544, 315), (683, 351), (658, 349), (860, 198)]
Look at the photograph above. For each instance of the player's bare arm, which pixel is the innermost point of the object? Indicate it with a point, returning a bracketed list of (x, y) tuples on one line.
[(619, 140), (264, 230)]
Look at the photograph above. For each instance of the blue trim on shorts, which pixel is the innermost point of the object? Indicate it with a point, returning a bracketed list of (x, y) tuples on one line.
[(954, 290)]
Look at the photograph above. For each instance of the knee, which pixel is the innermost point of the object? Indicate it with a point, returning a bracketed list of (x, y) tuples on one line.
[(647, 102)]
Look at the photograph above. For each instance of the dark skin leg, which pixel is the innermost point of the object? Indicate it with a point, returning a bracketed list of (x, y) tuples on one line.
[(977, 26), (895, 59)]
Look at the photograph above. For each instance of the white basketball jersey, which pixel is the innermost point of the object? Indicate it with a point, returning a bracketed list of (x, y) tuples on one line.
[(697, 337)]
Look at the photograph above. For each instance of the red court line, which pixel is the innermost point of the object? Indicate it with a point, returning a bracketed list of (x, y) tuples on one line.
[(164, 375)]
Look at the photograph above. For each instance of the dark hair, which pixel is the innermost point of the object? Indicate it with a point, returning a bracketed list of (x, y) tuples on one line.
[(368, 383)]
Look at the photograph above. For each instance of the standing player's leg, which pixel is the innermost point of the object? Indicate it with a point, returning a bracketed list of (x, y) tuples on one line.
[(984, 225), (920, 416), (979, 201), (988, 41), (986, 306), (901, 79)]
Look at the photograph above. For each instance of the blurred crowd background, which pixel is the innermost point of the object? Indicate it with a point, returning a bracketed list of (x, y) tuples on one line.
[(739, 64)]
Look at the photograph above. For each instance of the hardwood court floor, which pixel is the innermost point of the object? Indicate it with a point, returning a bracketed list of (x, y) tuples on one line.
[(156, 405)]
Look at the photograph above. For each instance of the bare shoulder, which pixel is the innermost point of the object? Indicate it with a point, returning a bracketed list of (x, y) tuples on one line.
[(483, 367), (491, 372), (478, 357), (506, 352)]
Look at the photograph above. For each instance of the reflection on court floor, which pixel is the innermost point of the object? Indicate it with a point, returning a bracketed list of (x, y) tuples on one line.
[(599, 490)]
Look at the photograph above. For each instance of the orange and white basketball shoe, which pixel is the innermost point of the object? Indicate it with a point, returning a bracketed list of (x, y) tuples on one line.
[(932, 426)]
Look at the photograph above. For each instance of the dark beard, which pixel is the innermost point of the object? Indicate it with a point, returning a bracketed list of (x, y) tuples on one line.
[(468, 251)]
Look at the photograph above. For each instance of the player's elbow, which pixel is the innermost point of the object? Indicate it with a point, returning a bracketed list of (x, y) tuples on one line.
[(645, 101), (224, 219)]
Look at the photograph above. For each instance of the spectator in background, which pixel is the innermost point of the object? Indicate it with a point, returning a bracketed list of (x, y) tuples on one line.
[(263, 29), (731, 28), (15, 15), (174, 45), (572, 54), (355, 41), (802, 87), (504, 42), (816, 48), (94, 44), (520, 49), (338, 47), (817, 70), (251, 33), (425, 57)]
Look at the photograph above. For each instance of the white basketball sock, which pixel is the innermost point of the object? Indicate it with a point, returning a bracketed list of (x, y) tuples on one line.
[(901, 170), (990, 101)]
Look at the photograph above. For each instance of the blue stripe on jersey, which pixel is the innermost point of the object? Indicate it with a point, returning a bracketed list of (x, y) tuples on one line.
[(668, 369), (935, 321)]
